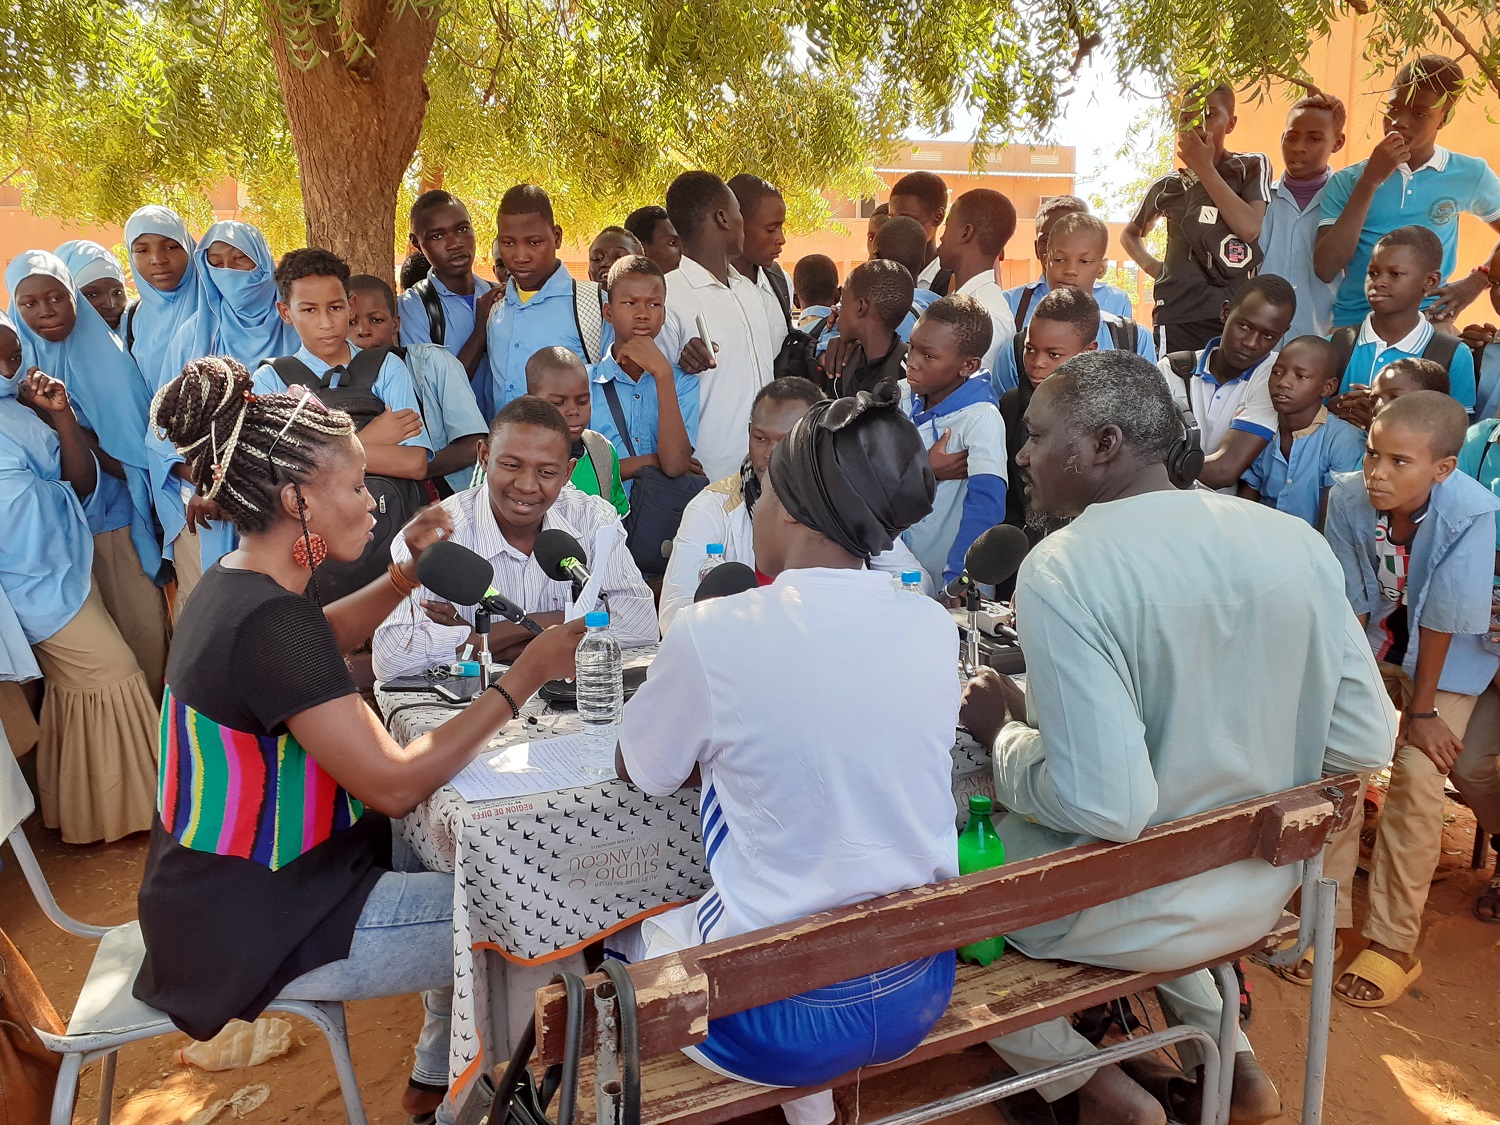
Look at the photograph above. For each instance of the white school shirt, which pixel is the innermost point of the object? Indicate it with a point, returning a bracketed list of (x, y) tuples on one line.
[(719, 514), (1240, 404), (929, 273), (775, 317), (984, 289), (818, 790), (736, 317), (408, 641)]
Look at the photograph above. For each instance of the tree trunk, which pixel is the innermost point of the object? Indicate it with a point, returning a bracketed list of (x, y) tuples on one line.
[(355, 126)]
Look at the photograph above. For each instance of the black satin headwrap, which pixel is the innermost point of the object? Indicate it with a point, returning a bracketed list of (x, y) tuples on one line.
[(855, 470)]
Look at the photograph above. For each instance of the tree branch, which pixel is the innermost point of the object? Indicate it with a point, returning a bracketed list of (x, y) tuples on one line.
[(1469, 49), (1310, 87)]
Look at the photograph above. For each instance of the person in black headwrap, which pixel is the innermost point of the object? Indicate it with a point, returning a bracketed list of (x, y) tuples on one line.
[(853, 471), (818, 713)]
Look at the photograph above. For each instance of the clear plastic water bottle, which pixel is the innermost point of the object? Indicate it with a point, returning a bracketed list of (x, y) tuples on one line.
[(911, 581), (600, 680), (714, 558)]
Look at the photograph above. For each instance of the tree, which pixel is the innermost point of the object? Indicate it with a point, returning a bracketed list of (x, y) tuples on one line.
[(329, 113)]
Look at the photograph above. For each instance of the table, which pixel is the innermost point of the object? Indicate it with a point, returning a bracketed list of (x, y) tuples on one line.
[(539, 878)]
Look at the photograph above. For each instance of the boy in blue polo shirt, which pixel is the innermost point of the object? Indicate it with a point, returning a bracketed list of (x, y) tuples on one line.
[(1404, 269), (544, 305), (647, 408), (1408, 178), (1295, 470), (1023, 299), (449, 306), (1314, 132), (1416, 541), (1077, 255), (946, 392)]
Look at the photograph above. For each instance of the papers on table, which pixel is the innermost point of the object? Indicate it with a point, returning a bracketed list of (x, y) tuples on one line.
[(529, 767)]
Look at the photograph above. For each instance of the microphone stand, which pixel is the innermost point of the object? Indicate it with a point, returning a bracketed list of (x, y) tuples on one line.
[(482, 628), (971, 652)]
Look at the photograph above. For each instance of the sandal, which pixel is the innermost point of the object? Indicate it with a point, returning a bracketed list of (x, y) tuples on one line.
[(1489, 897), (1289, 973), (1384, 974), (1247, 1005)]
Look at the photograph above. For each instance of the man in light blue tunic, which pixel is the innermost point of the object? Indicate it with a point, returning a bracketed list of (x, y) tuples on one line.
[(1185, 651)]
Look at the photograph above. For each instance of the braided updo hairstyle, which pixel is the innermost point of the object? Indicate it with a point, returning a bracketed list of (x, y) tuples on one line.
[(240, 448)]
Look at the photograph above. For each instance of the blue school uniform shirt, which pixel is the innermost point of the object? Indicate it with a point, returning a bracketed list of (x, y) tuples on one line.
[(1450, 573), (1287, 234), (1481, 460), (393, 386), (1295, 484), (639, 405), (1430, 196), (1109, 298), (449, 410), (47, 550), (1487, 398), (1007, 374), (961, 509), (518, 331), (458, 324), (1372, 355)]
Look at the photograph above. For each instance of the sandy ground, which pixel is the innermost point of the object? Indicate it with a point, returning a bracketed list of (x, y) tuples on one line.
[(1433, 1057)]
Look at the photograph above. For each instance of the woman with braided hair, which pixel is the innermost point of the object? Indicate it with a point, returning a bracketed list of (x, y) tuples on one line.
[(271, 870), (96, 752)]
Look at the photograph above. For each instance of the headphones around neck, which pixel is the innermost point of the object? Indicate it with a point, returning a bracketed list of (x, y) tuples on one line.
[(1185, 458)]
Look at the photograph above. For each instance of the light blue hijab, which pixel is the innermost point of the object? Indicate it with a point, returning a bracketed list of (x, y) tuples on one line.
[(242, 321), (159, 316), (109, 396), (46, 551), (89, 262)]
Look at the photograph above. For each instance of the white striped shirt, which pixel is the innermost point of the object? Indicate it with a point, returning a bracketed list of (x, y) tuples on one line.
[(408, 641)]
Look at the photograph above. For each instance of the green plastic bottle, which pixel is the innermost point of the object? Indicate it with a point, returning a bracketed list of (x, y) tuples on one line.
[(979, 849)]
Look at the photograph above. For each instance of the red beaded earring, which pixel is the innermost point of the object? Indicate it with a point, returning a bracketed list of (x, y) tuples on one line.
[(309, 551)]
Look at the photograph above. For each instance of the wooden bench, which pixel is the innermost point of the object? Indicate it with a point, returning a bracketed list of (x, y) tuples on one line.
[(677, 994)]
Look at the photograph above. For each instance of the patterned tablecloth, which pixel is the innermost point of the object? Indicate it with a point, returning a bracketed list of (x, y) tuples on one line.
[(540, 877)]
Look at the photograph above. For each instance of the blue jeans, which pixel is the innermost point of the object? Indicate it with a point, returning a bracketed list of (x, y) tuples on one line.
[(402, 943)]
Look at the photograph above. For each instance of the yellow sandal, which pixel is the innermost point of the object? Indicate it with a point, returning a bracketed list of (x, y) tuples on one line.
[(1379, 970)]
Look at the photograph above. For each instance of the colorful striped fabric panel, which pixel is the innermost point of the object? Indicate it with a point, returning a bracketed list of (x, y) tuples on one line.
[(224, 791)]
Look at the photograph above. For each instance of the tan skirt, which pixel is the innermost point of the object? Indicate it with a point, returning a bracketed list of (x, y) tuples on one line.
[(20, 726), (137, 604), (96, 759), (187, 558)]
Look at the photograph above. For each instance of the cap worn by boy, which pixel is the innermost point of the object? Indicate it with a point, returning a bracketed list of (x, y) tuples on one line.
[(945, 392)]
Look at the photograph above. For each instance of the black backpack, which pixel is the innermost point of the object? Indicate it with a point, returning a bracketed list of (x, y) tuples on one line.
[(1440, 349), (799, 351), (588, 315), (397, 500)]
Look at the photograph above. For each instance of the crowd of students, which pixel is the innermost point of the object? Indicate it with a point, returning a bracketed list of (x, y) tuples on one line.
[(638, 408)]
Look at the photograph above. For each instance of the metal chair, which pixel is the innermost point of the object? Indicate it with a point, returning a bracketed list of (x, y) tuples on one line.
[(106, 1015)]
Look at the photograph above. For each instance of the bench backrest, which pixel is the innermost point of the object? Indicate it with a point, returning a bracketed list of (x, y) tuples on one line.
[(675, 994)]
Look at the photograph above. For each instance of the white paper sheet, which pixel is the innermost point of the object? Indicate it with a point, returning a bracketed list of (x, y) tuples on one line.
[(528, 767)]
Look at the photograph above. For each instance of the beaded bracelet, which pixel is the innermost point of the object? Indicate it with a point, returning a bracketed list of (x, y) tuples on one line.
[(515, 711)]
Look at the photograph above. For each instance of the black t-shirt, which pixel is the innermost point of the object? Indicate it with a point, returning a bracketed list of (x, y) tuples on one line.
[(1205, 261), (260, 863)]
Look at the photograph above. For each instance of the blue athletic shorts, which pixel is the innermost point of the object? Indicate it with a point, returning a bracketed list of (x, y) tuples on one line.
[(819, 1035)]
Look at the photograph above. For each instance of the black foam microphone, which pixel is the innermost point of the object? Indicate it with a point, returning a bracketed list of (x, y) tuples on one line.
[(725, 579), (992, 558), (561, 557), (459, 575)]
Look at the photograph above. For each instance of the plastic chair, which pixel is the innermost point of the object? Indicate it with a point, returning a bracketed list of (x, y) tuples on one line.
[(107, 1016)]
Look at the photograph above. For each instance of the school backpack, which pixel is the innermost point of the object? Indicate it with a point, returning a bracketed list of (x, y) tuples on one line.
[(799, 351), (1124, 334), (1440, 349), (397, 500), (129, 323), (588, 315)]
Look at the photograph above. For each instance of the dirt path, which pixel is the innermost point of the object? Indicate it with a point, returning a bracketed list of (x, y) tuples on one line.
[(1434, 1057)]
